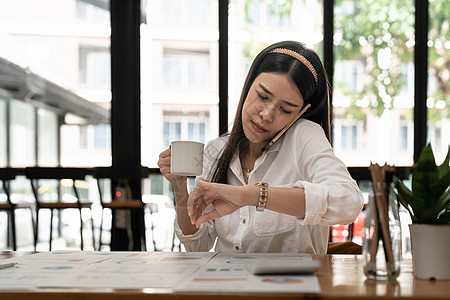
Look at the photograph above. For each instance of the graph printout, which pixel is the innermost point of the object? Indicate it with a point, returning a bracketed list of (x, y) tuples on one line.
[(227, 272), (177, 271)]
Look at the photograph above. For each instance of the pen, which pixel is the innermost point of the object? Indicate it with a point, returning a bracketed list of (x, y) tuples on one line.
[(7, 265)]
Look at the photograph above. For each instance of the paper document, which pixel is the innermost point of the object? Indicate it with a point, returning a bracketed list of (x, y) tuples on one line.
[(228, 272), (179, 271)]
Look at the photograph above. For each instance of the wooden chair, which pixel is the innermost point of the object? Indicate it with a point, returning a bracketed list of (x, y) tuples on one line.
[(38, 175), (122, 201), (6, 175), (346, 247)]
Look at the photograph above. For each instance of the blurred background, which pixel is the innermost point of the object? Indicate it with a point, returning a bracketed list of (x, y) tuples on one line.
[(55, 88)]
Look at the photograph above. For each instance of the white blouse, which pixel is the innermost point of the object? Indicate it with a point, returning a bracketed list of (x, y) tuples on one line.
[(302, 158)]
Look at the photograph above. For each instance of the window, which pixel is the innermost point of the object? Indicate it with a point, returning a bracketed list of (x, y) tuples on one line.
[(95, 66), (404, 138), (172, 132), (47, 138), (347, 135), (84, 137), (3, 136), (22, 137), (184, 69), (86, 11), (373, 48), (260, 13), (407, 79), (254, 24), (349, 75), (196, 131), (95, 137), (190, 13), (349, 138), (434, 136), (438, 103), (179, 74), (102, 136), (184, 128)]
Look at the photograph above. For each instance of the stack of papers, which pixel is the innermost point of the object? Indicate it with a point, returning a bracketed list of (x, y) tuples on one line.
[(177, 271)]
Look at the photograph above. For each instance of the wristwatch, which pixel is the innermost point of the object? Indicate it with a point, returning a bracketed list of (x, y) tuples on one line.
[(263, 194)]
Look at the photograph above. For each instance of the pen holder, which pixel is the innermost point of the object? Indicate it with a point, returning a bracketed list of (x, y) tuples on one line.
[(382, 236)]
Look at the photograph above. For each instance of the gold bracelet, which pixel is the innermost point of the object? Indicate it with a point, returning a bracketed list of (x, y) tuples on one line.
[(263, 195)]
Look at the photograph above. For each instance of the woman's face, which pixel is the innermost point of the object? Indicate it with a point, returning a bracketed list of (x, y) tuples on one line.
[(273, 101)]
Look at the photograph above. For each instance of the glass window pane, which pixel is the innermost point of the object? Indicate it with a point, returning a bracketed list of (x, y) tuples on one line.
[(438, 102), (373, 81), (254, 24), (196, 132), (56, 54), (172, 132), (47, 138), (94, 66), (22, 143), (179, 74), (3, 132), (102, 136)]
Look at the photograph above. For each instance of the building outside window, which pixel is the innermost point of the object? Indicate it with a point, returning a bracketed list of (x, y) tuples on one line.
[(181, 13), (370, 77), (188, 70), (95, 137), (184, 128), (348, 74), (172, 132), (404, 138), (348, 138), (95, 66), (179, 73)]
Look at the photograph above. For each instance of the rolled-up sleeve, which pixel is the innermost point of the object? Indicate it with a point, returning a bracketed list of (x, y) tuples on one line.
[(203, 240), (330, 205), (332, 196)]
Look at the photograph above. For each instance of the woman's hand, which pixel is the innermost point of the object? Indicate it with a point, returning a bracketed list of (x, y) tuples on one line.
[(164, 167), (224, 198)]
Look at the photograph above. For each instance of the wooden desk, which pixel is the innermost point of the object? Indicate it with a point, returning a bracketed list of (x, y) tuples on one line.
[(340, 277)]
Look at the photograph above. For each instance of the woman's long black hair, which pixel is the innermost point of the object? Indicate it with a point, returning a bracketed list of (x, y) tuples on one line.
[(315, 94)]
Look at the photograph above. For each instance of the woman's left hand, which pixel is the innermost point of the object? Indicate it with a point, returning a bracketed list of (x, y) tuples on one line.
[(224, 198)]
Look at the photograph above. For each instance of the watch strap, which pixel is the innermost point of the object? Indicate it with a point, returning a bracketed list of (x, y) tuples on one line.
[(263, 195)]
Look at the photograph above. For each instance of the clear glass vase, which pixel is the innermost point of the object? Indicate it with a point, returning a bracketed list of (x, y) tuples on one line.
[(382, 235)]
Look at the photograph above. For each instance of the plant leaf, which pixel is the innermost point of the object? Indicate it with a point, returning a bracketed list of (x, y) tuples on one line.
[(442, 184), (445, 166), (428, 200), (406, 206), (406, 197), (444, 176), (444, 218), (424, 176), (444, 201)]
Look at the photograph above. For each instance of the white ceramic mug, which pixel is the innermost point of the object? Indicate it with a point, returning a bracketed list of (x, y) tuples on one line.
[(186, 158)]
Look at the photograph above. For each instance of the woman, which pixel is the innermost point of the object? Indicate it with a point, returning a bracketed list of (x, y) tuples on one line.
[(259, 196)]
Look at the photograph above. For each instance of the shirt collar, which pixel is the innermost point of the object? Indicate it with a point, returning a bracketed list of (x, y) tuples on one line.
[(235, 164)]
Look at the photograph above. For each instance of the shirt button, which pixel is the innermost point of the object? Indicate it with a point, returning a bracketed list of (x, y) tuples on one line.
[(236, 248), (243, 221)]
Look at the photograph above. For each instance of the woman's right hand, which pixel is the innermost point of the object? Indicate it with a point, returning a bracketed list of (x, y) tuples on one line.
[(164, 167)]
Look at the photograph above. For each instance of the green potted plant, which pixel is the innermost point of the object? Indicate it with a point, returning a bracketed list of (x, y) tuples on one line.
[(428, 203)]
